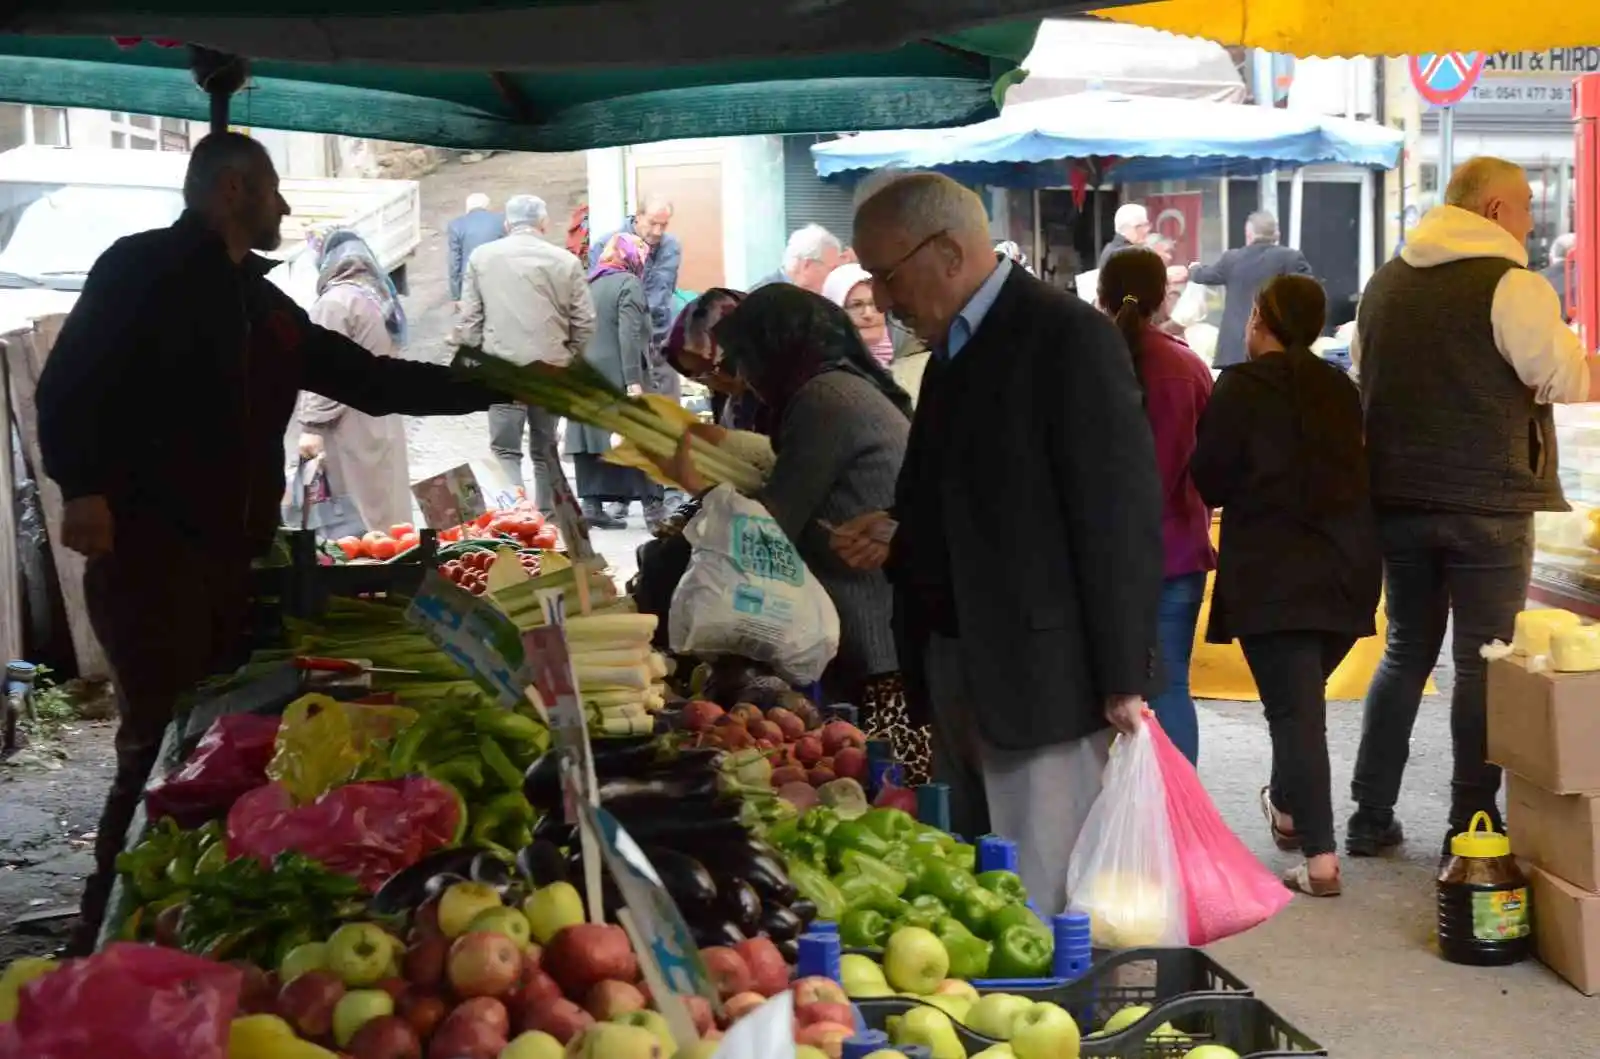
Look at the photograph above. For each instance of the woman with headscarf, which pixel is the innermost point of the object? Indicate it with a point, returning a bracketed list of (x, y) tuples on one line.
[(850, 288), (691, 351), (1280, 451), (618, 350), (363, 456), (839, 428)]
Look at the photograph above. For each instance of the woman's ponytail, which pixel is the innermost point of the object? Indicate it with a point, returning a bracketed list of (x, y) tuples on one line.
[(1133, 288)]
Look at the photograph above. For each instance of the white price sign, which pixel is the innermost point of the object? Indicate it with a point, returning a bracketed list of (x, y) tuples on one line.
[(470, 630)]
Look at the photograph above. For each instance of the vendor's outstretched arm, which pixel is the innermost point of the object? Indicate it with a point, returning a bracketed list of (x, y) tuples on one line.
[(341, 369)]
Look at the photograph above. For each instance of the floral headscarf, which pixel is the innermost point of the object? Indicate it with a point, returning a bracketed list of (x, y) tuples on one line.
[(695, 321), (624, 252), (343, 257)]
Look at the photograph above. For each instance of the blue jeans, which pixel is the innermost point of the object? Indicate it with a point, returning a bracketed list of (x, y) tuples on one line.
[(1181, 597)]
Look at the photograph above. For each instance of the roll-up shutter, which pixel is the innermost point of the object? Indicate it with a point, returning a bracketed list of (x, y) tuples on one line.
[(807, 198)]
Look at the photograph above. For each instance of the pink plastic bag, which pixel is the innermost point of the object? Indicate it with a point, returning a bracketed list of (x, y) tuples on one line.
[(231, 760), (130, 1001), (1227, 890), (365, 830)]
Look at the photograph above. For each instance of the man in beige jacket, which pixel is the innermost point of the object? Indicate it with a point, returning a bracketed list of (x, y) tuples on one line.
[(524, 299)]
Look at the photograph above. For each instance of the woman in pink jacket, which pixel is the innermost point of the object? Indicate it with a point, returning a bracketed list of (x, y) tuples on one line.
[(1177, 385)]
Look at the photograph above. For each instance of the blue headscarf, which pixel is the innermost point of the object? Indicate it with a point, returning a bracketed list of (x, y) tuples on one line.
[(344, 257)]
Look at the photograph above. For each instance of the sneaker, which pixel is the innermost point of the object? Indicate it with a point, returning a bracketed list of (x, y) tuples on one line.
[(618, 511), (1368, 836)]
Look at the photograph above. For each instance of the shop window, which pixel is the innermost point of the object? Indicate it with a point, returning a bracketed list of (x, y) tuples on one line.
[(24, 125)]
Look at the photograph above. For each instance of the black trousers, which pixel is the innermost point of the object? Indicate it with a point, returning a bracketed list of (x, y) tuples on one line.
[(1291, 670)]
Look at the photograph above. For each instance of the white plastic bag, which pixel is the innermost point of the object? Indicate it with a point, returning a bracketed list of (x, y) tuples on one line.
[(1124, 868), (1190, 308), (748, 593)]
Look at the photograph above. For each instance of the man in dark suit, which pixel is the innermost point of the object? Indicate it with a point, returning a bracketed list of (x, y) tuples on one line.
[(1242, 273), (1024, 635), (469, 231)]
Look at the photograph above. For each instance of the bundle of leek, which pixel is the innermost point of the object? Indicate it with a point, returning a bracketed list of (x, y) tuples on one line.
[(579, 392)]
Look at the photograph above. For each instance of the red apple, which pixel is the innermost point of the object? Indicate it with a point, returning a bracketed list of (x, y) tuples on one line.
[(425, 961), (465, 1039), (829, 1037), (700, 1011), (423, 1011), (766, 730), (745, 712), (586, 953), (806, 1014), (851, 761), (818, 989), (699, 715), (561, 1019), (482, 1009), (425, 920), (606, 1000), (808, 751), (258, 989), (820, 774), (737, 1007), (307, 1003), (395, 987), (386, 1037), (836, 735), (734, 737), (767, 966), (728, 970), (787, 774), (535, 990), (484, 963), (788, 722)]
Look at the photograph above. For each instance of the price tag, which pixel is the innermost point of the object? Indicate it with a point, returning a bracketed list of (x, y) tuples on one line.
[(451, 498), (470, 630), (668, 958)]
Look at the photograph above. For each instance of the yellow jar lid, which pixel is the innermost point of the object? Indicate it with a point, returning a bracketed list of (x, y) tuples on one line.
[(1486, 844)]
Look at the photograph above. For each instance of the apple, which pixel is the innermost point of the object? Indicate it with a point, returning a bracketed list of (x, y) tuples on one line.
[(1124, 1018), (808, 750), (425, 921), (606, 1000), (817, 989), (357, 1008), (258, 989), (957, 1007), (826, 1037), (862, 977), (533, 1046), (806, 1051), (995, 1013), (359, 953), (484, 964), (739, 1005), (705, 1020), (460, 904), (851, 762), (616, 1040), (766, 731), (823, 1011), (307, 1003), (745, 712), (728, 970), (933, 1030), (312, 956), (386, 1037), (552, 908), (1211, 1051), (700, 715), (784, 775), (653, 1021), (579, 956), (704, 1048), (1045, 1031), (886, 1053), (821, 773), (508, 921), (485, 1009), (425, 960), (424, 1011), (837, 735), (535, 990), (915, 961), (957, 987), (466, 1039), (395, 987), (560, 1018), (768, 969), (788, 722)]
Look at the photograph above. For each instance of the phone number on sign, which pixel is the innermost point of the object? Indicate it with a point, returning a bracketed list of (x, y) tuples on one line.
[(1513, 93)]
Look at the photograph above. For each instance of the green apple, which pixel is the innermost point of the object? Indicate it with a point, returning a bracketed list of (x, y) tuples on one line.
[(862, 977), (887, 1053), (996, 1051), (653, 1021), (1045, 1031), (551, 908), (312, 956), (808, 1051), (1124, 1018), (460, 904), (1211, 1051), (931, 1028), (507, 921), (533, 1045), (359, 953), (614, 1040), (956, 1007), (957, 987), (915, 960), (994, 1014), (357, 1008), (702, 1049)]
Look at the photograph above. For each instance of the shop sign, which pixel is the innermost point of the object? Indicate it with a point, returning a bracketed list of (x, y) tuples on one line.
[(1532, 81)]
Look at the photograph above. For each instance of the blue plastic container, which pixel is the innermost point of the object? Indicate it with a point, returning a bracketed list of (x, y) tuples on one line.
[(818, 955)]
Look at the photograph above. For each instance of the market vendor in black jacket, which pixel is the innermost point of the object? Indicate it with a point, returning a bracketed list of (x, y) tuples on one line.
[(162, 414), (1029, 632)]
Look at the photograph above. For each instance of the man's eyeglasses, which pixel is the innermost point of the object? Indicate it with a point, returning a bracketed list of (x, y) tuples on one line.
[(887, 275)]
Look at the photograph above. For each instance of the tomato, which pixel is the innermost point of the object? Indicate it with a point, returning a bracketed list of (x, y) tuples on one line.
[(373, 536), (401, 530), (384, 548), (452, 569), (405, 544), (352, 547), (545, 539), (484, 519), (534, 520), (451, 534)]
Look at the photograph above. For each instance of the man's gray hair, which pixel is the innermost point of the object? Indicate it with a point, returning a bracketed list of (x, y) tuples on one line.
[(216, 154), (811, 243), (924, 204), (1473, 181), (526, 211), (655, 202), (1261, 227), (477, 201)]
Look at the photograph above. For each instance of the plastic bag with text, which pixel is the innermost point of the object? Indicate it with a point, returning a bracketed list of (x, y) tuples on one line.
[(323, 742), (365, 830), (748, 593), (1226, 889), (130, 1001), (231, 760), (1124, 867)]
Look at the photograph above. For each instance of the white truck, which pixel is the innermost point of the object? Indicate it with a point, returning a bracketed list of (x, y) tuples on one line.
[(61, 207)]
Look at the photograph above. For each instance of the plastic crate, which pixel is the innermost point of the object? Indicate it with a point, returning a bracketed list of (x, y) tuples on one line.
[(1236, 1020)]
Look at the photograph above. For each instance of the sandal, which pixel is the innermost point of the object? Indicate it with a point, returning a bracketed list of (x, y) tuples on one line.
[(1300, 880), (1288, 841)]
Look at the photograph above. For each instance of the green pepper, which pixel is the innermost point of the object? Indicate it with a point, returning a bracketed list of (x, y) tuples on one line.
[(863, 891), (855, 862), (1016, 914), (808, 849), (215, 856), (181, 870), (975, 908), (819, 820), (963, 856), (901, 858), (863, 928), (853, 834), (780, 834), (892, 825), (945, 881), (927, 846), (1021, 952), (969, 954), (817, 888), (1007, 884), (930, 903)]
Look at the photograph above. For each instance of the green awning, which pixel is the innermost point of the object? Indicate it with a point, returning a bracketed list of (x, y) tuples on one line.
[(923, 84)]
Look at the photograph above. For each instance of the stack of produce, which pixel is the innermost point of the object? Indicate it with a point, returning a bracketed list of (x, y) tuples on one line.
[(467, 564), (805, 754), (889, 882), (377, 545)]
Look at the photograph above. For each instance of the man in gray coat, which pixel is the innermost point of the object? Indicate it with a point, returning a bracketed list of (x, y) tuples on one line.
[(466, 233), (1241, 273)]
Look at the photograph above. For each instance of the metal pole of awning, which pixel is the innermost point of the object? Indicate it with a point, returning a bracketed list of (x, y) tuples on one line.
[(220, 75)]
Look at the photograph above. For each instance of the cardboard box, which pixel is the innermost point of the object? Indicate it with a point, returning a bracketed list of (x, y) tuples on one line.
[(1545, 726), (1558, 832), (1566, 929)]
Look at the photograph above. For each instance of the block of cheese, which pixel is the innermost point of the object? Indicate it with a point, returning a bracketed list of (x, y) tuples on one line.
[(1575, 649), (1534, 627)]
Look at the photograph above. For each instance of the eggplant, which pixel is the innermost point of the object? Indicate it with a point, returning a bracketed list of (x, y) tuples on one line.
[(804, 909), (707, 935), (789, 948), (541, 863), (693, 834), (406, 888), (761, 870), (700, 785), (438, 884), (644, 763), (685, 878), (738, 901), (491, 868), (780, 923)]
